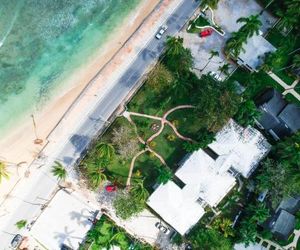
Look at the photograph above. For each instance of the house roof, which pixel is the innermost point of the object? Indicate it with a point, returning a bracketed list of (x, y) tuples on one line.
[(283, 224), (203, 179), (255, 49), (176, 206), (240, 148), (278, 116), (291, 204)]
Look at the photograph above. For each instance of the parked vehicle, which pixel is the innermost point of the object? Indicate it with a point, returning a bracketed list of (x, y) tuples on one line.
[(215, 76), (206, 32), (162, 228), (16, 241), (65, 247), (111, 188), (161, 31)]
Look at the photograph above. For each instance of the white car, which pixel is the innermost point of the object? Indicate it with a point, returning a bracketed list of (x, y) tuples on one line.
[(161, 31), (216, 76), (162, 228)]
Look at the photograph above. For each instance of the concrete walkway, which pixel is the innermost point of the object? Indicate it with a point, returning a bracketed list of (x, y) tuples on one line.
[(289, 89)]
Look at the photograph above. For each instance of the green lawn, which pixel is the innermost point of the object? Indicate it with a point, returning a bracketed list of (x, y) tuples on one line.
[(200, 21), (144, 126), (171, 151)]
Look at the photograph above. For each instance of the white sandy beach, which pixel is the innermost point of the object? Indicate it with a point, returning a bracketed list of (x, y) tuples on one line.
[(19, 145)]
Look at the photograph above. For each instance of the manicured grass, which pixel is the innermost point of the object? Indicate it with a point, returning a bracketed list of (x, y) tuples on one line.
[(186, 122), (144, 126), (288, 79), (171, 151)]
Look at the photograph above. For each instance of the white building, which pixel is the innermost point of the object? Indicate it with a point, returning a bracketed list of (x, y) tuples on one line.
[(208, 176)]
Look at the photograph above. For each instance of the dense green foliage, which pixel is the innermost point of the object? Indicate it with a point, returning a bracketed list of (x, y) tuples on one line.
[(234, 45), (247, 113), (105, 235)]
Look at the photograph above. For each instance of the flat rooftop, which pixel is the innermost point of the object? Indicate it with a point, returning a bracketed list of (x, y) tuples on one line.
[(203, 180), (240, 148), (65, 220), (176, 207), (255, 49)]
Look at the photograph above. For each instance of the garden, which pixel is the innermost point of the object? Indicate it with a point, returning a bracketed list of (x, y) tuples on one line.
[(105, 235)]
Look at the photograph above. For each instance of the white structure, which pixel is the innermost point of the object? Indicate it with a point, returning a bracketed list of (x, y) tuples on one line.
[(239, 148), (255, 49), (70, 225), (208, 178)]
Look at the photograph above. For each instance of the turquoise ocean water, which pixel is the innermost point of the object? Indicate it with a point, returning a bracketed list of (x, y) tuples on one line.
[(42, 42)]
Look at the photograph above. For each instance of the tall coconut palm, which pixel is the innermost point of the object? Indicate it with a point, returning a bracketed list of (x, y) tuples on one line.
[(59, 171), (251, 26), (3, 171), (174, 46), (224, 69), (234, 45), (139, 191), (106, 151), (96, 176), (212, 54), (164, 175)]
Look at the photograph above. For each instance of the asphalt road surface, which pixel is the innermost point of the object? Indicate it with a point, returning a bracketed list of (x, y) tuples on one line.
[(45, 184)]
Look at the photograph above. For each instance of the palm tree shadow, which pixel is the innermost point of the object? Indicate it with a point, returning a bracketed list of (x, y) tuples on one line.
[(82, 217), (66, 236)]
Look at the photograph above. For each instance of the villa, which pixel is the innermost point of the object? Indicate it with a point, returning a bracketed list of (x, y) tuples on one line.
[(254, 52), (206, 176)]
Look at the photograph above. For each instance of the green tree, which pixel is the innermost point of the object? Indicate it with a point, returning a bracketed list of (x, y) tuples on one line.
[(212, 53), (234, 45), (139, 191), (204, 138), (174, 46), (211, 3), (21, 224), (127, 206), (272, 177), (3, 171), (247, 232), (160, 78), (247, 113), (164, 175), (225, 225), (96, 176), (251, 26), (106, 151), (59, 171), (209, 239), (289, 13), (259, 212), (224, 69)]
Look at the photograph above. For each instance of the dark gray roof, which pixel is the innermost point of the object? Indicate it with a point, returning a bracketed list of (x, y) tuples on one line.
[(283, 224), (278, 116), (290, 115), (291, 204)]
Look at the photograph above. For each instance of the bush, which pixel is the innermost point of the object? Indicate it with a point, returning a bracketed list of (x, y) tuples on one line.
[(127, 206)]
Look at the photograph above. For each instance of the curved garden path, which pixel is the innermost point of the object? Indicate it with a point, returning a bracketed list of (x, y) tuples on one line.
[(163, 120)]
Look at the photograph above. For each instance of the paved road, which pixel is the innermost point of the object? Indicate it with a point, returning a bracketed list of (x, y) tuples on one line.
[(45, 183)]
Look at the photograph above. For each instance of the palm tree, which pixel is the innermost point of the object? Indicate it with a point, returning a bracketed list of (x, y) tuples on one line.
[(164, 175), (259, 212), (212, 53), (225, 225), (139, 191), (224, 69), (174, 46), (59, 171), (96, 176), (21, 224), (234, 45), (3, 171), (247, 113), (106, 151), (211, 3), (251, 26)]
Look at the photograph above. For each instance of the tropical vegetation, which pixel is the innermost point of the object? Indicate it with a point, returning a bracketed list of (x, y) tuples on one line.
[(59, 171), (21, 224)]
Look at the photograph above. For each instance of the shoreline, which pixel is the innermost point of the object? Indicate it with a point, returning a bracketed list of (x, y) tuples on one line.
[(18, 145)]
